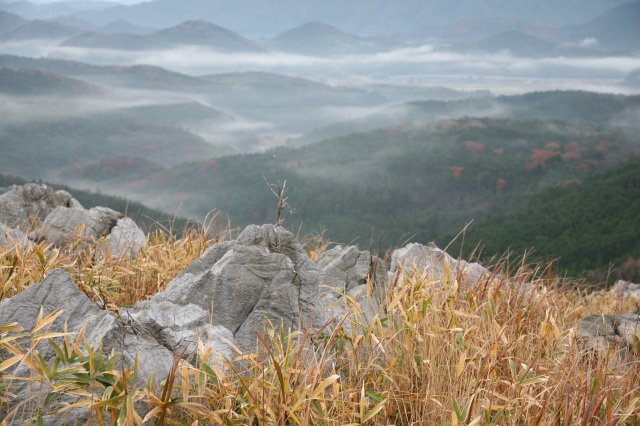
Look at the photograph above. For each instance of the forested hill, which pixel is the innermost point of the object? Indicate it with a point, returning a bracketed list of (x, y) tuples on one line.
[(586, 226), (422, 182)]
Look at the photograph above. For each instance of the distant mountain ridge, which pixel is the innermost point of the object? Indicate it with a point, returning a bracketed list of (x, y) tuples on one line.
[(39, 29), (318, 39), (195, 33), (616, 29), (270, 17)]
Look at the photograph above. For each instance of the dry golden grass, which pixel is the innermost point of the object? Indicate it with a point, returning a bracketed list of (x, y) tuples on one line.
[(440, 354)]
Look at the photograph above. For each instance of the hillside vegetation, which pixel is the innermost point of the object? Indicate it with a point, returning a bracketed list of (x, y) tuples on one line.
[(425, 180), (587, 226)]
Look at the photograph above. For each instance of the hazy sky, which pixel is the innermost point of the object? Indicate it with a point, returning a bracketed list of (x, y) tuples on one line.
[(55, 1)]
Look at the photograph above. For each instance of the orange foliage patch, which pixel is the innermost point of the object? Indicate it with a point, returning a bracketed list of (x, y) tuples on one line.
[(474, 147), (457, 172), (501, 184), (539, 158)]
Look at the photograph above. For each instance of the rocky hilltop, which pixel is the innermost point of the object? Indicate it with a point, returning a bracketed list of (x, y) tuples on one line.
[(225, 302)]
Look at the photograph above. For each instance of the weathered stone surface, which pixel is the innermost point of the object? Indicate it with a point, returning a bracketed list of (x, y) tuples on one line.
[(264, 275), (126, 239), (627, 289), (348, 271), (432, 262), (24, 207), (63, 223), (11, 238), (600, 333), (58, 291), (345, 268), (179, 328)]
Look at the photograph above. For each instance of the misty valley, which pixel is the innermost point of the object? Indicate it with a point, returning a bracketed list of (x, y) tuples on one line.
[(485, 129)]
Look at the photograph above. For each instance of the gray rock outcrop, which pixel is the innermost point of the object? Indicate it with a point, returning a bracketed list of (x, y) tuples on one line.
[(626, 289), (63, 223), (347, 271), (602, 333), (102, 327), (24, 207), (57, 217), (264, 276), (431, 262), (11, 238), (125, 238)]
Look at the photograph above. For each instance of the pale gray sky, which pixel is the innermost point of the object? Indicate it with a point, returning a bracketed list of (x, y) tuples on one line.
[(55, 1)]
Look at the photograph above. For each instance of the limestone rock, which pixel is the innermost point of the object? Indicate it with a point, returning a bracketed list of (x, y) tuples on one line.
[(432, 262), (63, 223), (58, 291), (600, 333), (12, 238), (347, 271), (627, 289), (263, 276), (24, 207), (126, 239)]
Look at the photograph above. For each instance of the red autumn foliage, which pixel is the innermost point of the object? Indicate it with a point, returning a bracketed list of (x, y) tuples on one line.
[(474, 147), (539, 158), (501, 184), (457, 172)]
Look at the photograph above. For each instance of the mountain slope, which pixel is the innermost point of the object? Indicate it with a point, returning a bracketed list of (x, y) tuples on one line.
[(617, 30), (10, 22), (202, 33), (317, 39), (190, 33), (39, 83), (514, 42), (431, 180), (38, 29), (585, 226)]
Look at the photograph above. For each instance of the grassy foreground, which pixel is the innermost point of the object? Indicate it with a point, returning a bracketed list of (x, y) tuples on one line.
[(436, 355)]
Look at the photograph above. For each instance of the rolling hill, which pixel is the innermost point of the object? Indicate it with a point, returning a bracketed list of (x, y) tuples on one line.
[(30, 82), (431, 179), (513, 42), (10, 22), (43, 30), (193, 33), (318, 39), (585, 226)]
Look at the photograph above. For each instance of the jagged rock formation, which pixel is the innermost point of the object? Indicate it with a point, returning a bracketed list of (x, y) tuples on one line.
[(263, 277), (24, 207), (59, 219), (233, 291), (58, 291)]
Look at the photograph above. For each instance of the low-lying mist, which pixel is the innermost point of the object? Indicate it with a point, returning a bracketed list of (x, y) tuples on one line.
[(425, 60)]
